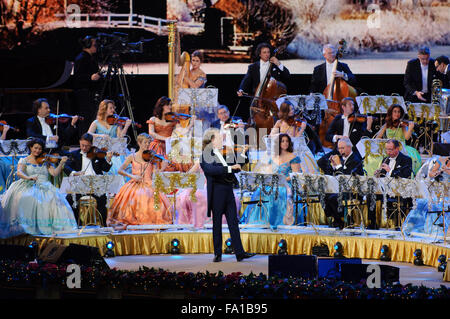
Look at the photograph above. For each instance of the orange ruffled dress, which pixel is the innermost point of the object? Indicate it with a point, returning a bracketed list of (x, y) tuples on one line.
[(134, 204)]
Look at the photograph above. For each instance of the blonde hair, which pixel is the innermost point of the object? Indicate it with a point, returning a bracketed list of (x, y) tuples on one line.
[(102, 108), (143, 136)]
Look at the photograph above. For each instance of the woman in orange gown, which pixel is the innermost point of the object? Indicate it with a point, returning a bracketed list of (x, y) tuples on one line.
[(134, 204), (161, 130)]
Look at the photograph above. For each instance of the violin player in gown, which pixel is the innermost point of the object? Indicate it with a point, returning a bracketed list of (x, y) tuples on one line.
[(134, 204), (32, 205), (220, 179)]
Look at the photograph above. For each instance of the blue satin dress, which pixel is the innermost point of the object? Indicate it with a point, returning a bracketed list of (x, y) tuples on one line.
[(36, 208), (280, 209)]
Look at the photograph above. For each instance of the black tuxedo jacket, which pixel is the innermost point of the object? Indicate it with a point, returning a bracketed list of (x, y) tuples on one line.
[(216, 173), (403, 167), (319, 77), (74, 164), (356, 132), (353, 164), (412, 80), (251, 80), (34, 129), (84, 66)]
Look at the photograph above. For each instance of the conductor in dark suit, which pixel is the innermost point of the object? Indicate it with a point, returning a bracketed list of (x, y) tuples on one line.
[(220, 179), (419, 76), (322, 73), (79, 164), (256, 71), (346, 163), (37, 126)]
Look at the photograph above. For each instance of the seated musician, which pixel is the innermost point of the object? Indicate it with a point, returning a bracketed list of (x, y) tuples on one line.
[(82, 163), (345, 125), (346, 163), (443, 73), (257, 71), (37, 126), (231, 134), (197, 77)]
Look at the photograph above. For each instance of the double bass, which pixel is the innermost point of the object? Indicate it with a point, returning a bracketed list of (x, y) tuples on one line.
[(334, 93), (263, 107)]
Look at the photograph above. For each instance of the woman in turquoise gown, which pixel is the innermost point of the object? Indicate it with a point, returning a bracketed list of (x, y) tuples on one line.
[(32, 205), (279, 210), (420, 220), (100, 127), (394, 129)]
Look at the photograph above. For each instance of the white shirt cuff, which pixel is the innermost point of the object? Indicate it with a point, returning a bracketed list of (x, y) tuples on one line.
[(72, 173), (229, 169), (281, 67), (334, 138), (338, 166)]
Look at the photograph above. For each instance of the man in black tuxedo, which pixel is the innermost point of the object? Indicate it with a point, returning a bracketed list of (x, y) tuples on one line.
[(37, 126), (231, 135), (342, 127), (80, 164), (322, 73), (256, 71), (443, 73), (346, 163), (419, 76), (220, 179), (86, 77)]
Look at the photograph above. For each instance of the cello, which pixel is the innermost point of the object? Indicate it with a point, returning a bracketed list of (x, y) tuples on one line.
[(334, 93), (263, 107)]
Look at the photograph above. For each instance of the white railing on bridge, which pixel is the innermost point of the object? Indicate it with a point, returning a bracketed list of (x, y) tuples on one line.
[(156, 25)]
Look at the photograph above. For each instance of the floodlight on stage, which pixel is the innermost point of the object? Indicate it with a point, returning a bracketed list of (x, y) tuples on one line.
[(228, 246), (175, 246), (339, 250), (442, 263), (109, 249), (385, 253), (418, 260), (282, 245)]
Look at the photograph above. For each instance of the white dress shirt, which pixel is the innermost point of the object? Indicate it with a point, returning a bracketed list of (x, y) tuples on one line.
[(391, 164), (222, 160), (346, 131), (330, 71), (263, 69), (344, 159), (424, 78), (86, 165), (47, 132), (228, 141)]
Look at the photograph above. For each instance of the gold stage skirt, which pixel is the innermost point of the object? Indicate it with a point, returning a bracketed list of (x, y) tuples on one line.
[(200, 242)]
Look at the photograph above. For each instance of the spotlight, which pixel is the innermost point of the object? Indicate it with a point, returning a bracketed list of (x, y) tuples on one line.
[(339, 250), (418, 260), (109, 249), (228, 247), (283, 247), (442, 263), (385, 253), (175, 246)]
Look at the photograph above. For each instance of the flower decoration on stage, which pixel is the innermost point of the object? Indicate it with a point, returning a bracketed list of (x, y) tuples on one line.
[(380, 102), (176, 180), (427, 114), (379, 153)]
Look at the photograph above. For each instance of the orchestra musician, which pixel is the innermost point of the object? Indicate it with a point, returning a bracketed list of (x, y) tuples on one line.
[(220, 179), (419, 76), (37, 126), (231, 135), (197, 77), (441, 63)]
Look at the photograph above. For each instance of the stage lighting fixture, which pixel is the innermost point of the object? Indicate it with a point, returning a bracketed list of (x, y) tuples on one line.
[(109, 249), (339, 250), (175, 246), (442, 263), (34, 246), (283, 247), (228, 247), (418, 260), (385, 253)]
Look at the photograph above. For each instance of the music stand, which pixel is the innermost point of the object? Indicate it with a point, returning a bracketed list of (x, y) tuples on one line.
[(14, 148)]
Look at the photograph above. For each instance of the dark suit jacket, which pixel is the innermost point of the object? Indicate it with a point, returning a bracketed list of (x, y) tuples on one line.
[(34, 129), (445, 78), (354, 164), (251, 80), (74, 164), (84, 66), (319, 77), (413, 77), (403, 167), (216, 173), (357, 130)]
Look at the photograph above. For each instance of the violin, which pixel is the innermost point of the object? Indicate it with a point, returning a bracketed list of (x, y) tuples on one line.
[(117, 120), (151, 156), (296, 122), (176, 117), (100, 153), (3, 124), (234, 149), (357, 117), (52, 119), (48, 158), (234, 123)]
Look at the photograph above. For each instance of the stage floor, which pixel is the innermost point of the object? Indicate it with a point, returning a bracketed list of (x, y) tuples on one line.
[(409, 273)]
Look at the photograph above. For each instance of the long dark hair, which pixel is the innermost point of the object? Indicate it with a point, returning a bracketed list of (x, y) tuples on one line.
[(34, 141), (290, 148), (389, 121), (159, 106), (285, 109)]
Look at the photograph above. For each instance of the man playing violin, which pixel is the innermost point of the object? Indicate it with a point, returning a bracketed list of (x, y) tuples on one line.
[(256, 71), (84, 162), (228, 131), (37, 126)]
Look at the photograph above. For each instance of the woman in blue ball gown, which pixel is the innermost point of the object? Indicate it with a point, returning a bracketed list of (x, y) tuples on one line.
[(32, 205), (279, 210)]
